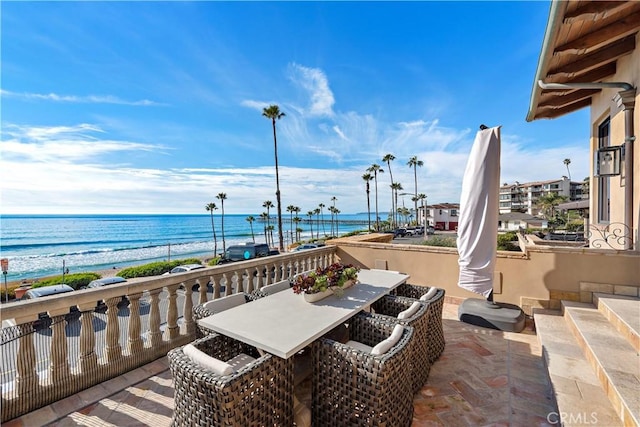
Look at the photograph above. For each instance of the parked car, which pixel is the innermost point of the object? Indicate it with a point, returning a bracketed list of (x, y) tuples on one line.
[(101, 306), (245, 251), (184, 268), (309, 246), (44, 321)]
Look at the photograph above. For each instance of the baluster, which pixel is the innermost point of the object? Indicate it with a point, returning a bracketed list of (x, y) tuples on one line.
[(59, 367), (26, 377), (114, 351), (172, 314), (227, 284), (88, 356), (188, 308), (215, 282), (155, 336), (248, 288), (261, 280), (203, 289), (135, 343)]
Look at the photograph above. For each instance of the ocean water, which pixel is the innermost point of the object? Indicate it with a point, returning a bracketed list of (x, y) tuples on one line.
[(39, 245)]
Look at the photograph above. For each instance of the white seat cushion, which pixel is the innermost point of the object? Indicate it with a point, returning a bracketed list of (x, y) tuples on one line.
[(413, 309), (207, 362), (240, 361), (358, 345), (383, 346), (275, 287), (430, 294), (224, 303)]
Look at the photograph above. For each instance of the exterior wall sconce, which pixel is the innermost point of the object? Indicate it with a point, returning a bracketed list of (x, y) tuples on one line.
[(608, 160)]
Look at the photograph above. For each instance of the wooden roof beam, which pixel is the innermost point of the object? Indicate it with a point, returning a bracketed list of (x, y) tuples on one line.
[(596, 75), (590, 9), (569, 97), (623, 27), (551, 113), (597, 58)]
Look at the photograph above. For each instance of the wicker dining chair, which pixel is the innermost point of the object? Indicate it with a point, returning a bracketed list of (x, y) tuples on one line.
[(218, 305), (352, 387), (259, 393), (389, 307), (435, 298)]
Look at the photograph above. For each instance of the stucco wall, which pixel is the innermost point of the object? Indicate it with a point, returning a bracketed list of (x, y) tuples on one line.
[(531, 279), (628, 70)]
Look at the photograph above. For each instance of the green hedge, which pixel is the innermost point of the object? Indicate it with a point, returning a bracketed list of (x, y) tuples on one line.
[(155, 268), (506, 241), (448, 242), (76, 280)]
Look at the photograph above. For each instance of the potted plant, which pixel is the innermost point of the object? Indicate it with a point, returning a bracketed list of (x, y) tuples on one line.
[(322, 282)]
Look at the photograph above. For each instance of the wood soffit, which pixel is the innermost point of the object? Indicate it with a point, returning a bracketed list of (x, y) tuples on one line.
[(584, 47)]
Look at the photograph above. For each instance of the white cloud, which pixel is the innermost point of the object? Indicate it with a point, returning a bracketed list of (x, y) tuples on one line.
[(256, 105), (88, 99), (315, 82)]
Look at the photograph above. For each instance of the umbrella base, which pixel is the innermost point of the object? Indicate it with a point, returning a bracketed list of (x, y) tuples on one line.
[(504, 317)]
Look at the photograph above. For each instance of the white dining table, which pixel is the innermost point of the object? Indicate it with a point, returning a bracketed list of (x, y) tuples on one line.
[(284, 323)]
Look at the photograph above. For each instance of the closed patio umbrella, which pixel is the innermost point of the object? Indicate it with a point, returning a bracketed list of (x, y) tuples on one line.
[(478, 221), (477, 235)]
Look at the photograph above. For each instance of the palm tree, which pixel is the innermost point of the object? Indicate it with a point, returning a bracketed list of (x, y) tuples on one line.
[(250, 220), (395, 187), (317, 212), (210, 208), (336, 211), (291, 210), (270, 230), (567, 162), (297, 220), (388, 158), (321, 206), (422, 197), (414, 163), (222, 197), (268, 204), (333, 199), (548, 203), (310, 215), (368, 177), (265, 217), (376, 169), (273, 112)]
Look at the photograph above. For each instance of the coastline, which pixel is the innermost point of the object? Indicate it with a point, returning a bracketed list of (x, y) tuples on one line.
[(109, 272)]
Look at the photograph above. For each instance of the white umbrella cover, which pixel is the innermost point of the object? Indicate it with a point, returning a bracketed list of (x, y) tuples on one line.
[(479, 208)]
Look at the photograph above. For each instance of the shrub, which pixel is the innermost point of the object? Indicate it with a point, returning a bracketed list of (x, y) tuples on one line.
[(155, 268), (576, 225), (214, 261), (76, 280), (448, 242), (505, 241)]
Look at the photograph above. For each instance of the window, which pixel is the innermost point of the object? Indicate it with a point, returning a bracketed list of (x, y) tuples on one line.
[(604, 191), (454, 212)]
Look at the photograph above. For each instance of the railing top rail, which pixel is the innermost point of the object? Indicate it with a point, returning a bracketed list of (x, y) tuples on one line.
[(23, 311)]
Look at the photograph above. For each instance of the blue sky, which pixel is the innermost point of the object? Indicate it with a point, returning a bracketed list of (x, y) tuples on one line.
[(155, 107)]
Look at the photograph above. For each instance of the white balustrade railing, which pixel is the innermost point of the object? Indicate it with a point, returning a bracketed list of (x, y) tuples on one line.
[(144, 319)]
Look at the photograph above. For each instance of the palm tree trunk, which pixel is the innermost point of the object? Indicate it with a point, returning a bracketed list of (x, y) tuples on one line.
[(275, 146), (375, 177), (215, 240), (224, 243), (368, 207)]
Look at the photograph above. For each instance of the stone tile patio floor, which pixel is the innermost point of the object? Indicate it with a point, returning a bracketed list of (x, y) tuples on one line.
[(484, 378)]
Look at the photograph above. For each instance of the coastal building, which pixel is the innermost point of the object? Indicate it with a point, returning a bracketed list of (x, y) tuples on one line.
[(590, 58), (441, 216), (523, 197), (514, 221)]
